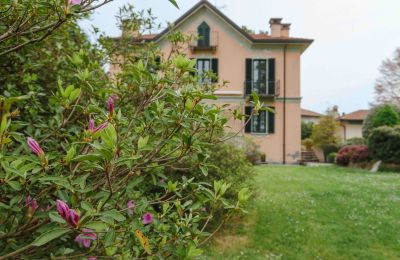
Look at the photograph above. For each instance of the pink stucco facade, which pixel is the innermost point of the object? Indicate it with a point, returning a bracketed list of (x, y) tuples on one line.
[(232, 50)]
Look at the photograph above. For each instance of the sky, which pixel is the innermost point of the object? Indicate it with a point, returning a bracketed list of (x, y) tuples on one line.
[(351, 38)]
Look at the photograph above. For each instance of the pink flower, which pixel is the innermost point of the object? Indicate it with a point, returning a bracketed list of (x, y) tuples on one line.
[(91, 258), (100, 127), (62, 208), (130, 205), (31, 203), (35, 147), (75, 2), (110, 106), (85, 239), (147, 218), (67, 214), (73, 218), (91, 125), (93, 130)]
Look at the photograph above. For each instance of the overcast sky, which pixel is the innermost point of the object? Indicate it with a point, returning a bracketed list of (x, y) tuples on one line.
[(352, 37)]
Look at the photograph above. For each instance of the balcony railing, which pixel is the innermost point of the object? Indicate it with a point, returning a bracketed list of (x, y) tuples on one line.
[(262, 88), (196, 44)]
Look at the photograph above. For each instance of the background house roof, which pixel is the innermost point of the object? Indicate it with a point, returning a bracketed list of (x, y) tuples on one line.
[(309, 113), (356, 115)]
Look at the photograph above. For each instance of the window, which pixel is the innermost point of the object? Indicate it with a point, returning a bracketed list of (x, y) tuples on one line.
[(263, 122), (260, 76), (204, 66), (204, 35)]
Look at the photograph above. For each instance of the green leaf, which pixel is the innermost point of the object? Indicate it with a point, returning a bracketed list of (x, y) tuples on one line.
[(88, 157), (96, 225), (204, 170), (15, 185), (109, 136), (70, 154), (114, 215), (142, 142), (56, 218), (174, 3), (49, 236), (74, 94), (134, 182)]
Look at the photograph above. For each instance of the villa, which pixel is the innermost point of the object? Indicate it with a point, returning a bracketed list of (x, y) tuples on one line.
[(268, 64)]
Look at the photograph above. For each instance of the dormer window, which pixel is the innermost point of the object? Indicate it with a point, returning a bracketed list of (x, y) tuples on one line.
[(204, 35)]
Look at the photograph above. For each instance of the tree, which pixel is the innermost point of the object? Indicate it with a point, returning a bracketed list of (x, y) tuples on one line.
[(386, 116), (380, 115), (324, 134), (27, 22), (306, 129), (387, 87)]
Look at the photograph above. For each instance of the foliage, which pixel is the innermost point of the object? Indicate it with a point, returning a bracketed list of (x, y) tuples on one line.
[(306, 129), (250, 148), (355, 141), (324, 134), (308, 143), (368, 124), (307, 212), (331, 158), (231, 165), (116, 166), (352, 154), (384, 144), (387, 87), (26, 22), (385, 116)]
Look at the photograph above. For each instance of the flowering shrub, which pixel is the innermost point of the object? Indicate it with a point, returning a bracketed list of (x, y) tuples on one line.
[(352, 154), (109, 167)]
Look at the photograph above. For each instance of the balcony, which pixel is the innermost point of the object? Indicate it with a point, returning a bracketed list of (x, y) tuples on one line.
[(263, 89), (199, 44)]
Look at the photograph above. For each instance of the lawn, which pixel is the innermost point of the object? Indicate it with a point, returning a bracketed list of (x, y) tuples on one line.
[(316, 213)]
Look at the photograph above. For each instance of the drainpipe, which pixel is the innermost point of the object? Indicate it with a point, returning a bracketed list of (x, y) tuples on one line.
[(284, 105)]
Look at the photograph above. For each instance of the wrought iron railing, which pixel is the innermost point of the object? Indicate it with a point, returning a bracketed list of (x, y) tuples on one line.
[(262, 88), (197, 43)]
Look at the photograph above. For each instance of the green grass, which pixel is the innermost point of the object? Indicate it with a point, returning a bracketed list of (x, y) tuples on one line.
[(316, 213)]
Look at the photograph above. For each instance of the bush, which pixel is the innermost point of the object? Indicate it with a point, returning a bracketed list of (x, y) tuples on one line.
[(384, 144), (117, 169), (352, 154), (331, 158), (355, 141), (306, 130), (324, 135), (386, 114), (308, 143), (250, 148)]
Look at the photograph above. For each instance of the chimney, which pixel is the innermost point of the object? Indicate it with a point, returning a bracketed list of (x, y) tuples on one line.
[(285, 30), (276, 27), (130, 28)]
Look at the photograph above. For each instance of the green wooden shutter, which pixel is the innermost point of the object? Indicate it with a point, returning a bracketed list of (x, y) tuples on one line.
[(271, 76), (249, 76), (271, 121), (214, 69), (247, 112)]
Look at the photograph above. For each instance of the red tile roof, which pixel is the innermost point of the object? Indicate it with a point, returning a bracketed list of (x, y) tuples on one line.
[(356, 115), (309, 113)]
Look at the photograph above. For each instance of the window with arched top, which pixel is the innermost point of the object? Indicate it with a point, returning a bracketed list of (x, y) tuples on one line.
[(204, 35)]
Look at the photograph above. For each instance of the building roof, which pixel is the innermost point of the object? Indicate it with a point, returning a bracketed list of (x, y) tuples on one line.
[(309, 113), (255, 38), (358, 115)]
